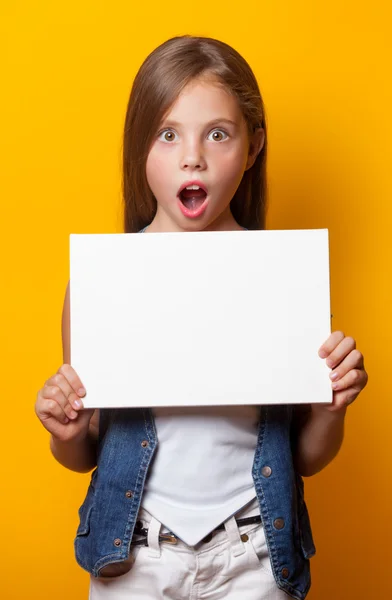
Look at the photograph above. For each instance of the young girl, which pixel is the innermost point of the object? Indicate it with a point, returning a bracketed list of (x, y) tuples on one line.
[(196, 502)]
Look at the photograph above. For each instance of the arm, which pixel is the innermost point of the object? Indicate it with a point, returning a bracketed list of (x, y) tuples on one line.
[(318, 436), (76, 455), (319, 428), (75, 452)]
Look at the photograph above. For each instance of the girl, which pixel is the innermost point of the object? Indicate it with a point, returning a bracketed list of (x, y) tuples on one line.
[(196, 502)]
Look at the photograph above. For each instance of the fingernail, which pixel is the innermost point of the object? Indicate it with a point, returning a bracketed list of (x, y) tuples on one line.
[(81, 392), (66, 420), (334, 375), (329, 363), (335, 386), (322, 354), (76, 404), (73, 415)]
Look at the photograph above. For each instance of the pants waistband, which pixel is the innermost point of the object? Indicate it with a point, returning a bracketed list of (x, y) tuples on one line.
[(150, 532)]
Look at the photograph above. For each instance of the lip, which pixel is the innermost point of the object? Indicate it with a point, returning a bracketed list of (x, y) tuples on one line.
[(193, 214), (193, 182)]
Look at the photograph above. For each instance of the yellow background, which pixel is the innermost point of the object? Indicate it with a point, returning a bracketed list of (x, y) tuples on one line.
[(67, 69)]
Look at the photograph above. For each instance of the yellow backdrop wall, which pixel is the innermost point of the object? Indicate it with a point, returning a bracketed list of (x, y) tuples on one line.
[(67, 69)]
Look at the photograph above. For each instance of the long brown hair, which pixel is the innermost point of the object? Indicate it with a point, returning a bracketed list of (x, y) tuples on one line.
[(159, 81)]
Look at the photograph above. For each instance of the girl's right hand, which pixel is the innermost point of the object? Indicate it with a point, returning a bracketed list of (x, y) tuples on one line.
[(58, 406)]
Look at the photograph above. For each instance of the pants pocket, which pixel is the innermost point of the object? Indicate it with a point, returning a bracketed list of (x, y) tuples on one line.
[(259, 549)]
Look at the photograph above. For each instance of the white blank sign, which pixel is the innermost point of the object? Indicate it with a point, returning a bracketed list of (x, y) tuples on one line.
[(200, 318)]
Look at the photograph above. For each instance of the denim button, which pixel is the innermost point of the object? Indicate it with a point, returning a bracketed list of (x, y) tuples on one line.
[(244, 537), (285, 573), (266, 471), (117, 542), (144, 443), (129, 493), (279, 523)]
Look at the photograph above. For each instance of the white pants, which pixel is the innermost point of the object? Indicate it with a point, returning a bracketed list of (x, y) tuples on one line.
[(226, 567)]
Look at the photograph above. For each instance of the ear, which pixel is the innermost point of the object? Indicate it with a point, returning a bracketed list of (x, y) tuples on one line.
[(256, 144)]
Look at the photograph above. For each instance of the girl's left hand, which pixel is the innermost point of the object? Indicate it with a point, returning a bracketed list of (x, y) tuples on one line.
[(348, 373)]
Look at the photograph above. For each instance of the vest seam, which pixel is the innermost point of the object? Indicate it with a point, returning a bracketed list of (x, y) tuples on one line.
[(140, 479)]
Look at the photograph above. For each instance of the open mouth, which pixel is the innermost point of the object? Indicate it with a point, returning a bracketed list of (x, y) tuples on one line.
[(192, 199)]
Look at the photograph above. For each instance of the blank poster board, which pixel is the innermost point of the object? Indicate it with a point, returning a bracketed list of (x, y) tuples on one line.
[(200, 318)]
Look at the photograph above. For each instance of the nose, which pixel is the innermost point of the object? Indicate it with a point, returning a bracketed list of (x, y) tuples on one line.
[(193, 156)]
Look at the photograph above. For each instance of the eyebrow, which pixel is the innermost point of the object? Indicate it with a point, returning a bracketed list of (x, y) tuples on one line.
[(169, 123)]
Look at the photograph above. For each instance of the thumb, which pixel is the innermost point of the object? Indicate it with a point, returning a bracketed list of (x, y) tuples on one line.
[(85, 415)]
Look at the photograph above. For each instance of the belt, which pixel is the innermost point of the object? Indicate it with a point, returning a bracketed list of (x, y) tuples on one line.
[(170, 538)]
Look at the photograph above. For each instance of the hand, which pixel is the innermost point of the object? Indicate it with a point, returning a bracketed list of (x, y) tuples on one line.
[(348, 373), (59, 406)]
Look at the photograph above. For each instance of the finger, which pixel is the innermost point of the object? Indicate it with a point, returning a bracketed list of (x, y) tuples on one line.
[(340, 352), (59, 380), (73, 379), (354, 360), (330, 344), (85, 415), (54, 392), (70, 382), (50, 409), (355, 380), (75, 401)]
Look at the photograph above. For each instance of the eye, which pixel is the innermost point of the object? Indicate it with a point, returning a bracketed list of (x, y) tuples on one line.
[(219, 132), (168, 135)]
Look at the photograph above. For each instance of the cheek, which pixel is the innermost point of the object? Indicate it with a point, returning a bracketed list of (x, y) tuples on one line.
[(232, 164), (155, 171)]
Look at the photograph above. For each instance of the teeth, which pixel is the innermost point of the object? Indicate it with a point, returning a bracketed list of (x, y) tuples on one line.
[(193, 187)]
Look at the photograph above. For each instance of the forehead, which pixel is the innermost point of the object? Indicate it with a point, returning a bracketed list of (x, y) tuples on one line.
[(203, 99)]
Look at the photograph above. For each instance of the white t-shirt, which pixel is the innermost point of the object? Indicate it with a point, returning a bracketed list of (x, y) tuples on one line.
[(202, 470)]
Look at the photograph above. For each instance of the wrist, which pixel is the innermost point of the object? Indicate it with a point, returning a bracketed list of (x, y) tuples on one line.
[(76, 453), (78, 440), (328, 411)]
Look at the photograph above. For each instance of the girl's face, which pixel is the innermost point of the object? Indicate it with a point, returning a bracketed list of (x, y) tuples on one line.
[(202, 139)]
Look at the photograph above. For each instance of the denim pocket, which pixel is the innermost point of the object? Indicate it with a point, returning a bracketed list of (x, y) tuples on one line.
[(82, 539), (84, 519), (118, 570), (85, 511), (305, 530)]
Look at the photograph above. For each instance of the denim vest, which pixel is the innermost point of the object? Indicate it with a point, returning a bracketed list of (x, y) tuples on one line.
[(126, 444)]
